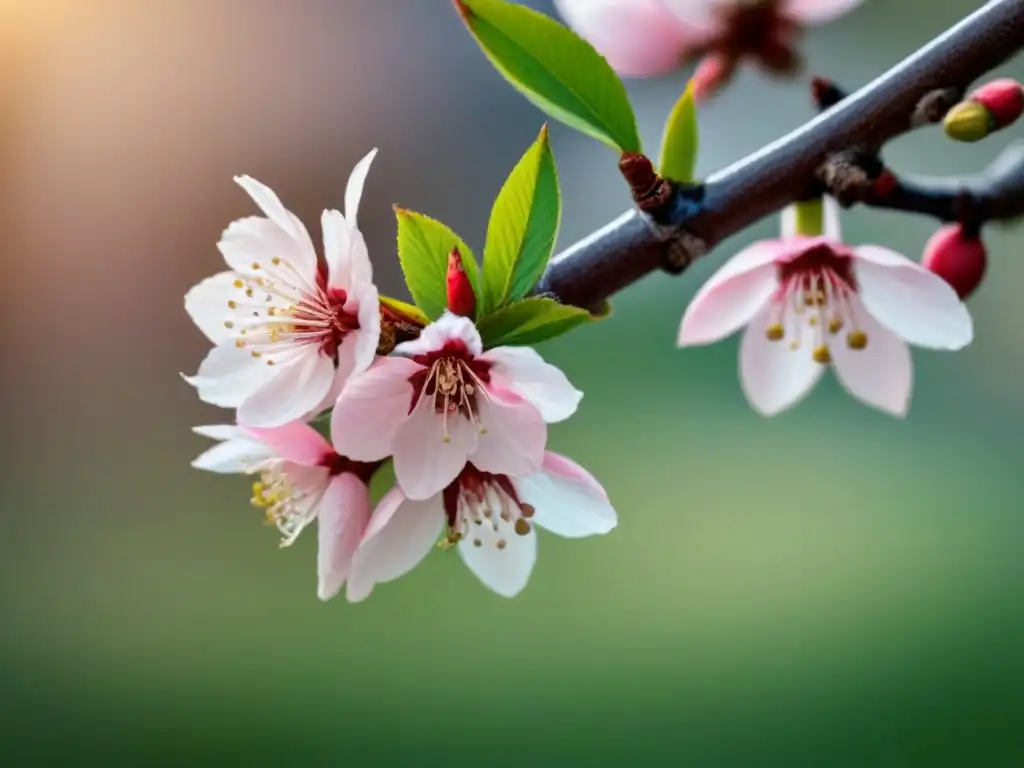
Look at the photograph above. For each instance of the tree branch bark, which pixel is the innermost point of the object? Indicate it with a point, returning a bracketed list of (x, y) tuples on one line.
[(698, 218)]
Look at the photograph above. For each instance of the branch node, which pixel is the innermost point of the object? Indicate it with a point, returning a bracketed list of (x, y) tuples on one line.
[(934, 105), (650, 191), (681, 251), (849, 176)]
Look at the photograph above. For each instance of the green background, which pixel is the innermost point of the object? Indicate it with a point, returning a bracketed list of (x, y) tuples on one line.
[(829, 588)]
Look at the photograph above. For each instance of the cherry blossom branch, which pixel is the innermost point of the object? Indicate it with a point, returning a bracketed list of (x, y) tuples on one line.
[(674, 224)]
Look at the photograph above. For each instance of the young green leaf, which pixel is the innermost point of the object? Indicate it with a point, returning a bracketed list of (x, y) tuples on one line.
[(423, 247), (404, 311), (680, 140), (530, 321), (555, 69), (523, 226)]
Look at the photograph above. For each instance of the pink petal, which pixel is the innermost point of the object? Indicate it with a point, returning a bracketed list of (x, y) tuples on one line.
[(354, 188), (207, 305), (775, 377), (296, 442), (445, 329), (371, 407), (238, 453), (228, 375), (269, 203), (424, 461), (881, 375), (367, 337), (524, 372), (400, 534), (818, 11), (257, 240), (701, 18), (505, 570), (733, 295), (514, 437), (637, 37), (294, 391), (341, 521), (916, 304), (568, 501)]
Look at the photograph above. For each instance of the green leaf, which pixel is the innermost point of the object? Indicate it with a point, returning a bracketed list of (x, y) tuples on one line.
[(405, 311), (680, 140), (555, 69), (530, 321), (423, 247), (523, 226)]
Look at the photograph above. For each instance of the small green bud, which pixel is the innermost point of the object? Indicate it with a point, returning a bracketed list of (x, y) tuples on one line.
[(968, 121)]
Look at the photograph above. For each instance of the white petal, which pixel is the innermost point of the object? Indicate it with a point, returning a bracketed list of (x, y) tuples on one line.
[(341, 520), (723, 306), (523, 371), (881, 375), (228, 375), (207, 305), (354, 188), (906, 298), (257, 241), (359, 258), (505, 571), (400, 534), (337, 246), (514, 435), (774, 376), (424, 462), (294, 391), (447, 328), (567, 500), (367, 337), (269, 203), (223, 432), (371, 407), (234, 456)]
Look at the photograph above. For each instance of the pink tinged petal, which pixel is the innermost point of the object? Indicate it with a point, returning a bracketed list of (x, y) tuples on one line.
[(342, 519), (881, 374), (366, 339), (337, 245), (295, 390), (445, 329), (228, 375), (296, 442), (524, 372), (774, 376), (354, 188), (638, 38), (258, 240), (425, 462), (400, 534), (700, 17), (207, 305), (568, 501), (906, 298), (723, 306), (237, 453), (818, 11), (514, 435), (503, 569), (269, 203), (371, 407)]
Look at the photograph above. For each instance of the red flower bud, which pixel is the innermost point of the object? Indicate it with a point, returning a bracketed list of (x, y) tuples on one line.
[(1004, 100), (957, 258), (461, 299)]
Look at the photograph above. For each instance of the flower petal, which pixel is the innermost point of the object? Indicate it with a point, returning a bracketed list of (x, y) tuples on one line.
[(567, 500), (296, 441), (228, 375), (367, 337), (906, 298), (269, 203), (207, 305), (638, 38), (515, 436), (256, 240), (723, 306), (881, 375), (524, 372), (445, 329), (342, 519), (371, 407), (818, 11), (238, 453), (774, 376), (505, 570), (337, 248), (400, 534), (223, 432), (425, 462), (294, 391), (354, 188)]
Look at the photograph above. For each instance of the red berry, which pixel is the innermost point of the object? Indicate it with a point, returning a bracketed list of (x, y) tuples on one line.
[(958, 259), (1003, 98), (461, 299)]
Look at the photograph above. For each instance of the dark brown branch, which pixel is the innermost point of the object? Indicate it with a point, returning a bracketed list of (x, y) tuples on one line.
[(636, 244)]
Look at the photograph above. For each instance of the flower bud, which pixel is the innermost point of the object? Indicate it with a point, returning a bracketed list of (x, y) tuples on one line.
[(968, 121), (461, 299), (957, 258), (1004, 100)]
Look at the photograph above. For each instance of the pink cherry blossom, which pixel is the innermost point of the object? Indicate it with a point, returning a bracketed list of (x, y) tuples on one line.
[(489, 518), (810, 301), (442, 401), (287, 333), (301, 479)]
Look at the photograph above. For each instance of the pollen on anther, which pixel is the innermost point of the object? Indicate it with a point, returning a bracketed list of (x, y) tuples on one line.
[(774, 332), (257, 354), (270, 362), (477, 543), (249, 292), (228, 324), (255, 265), (523, 526), (232, 304), (239, 343), (835, 325), (856, 339), (239, 283), (501, 544), (527, 510), (822, 355), (276, 260)]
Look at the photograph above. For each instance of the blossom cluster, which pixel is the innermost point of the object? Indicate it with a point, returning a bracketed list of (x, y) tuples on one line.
[(296, 334)]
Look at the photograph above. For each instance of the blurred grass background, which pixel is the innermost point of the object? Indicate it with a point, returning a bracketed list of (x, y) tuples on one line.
[(829, 588)]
